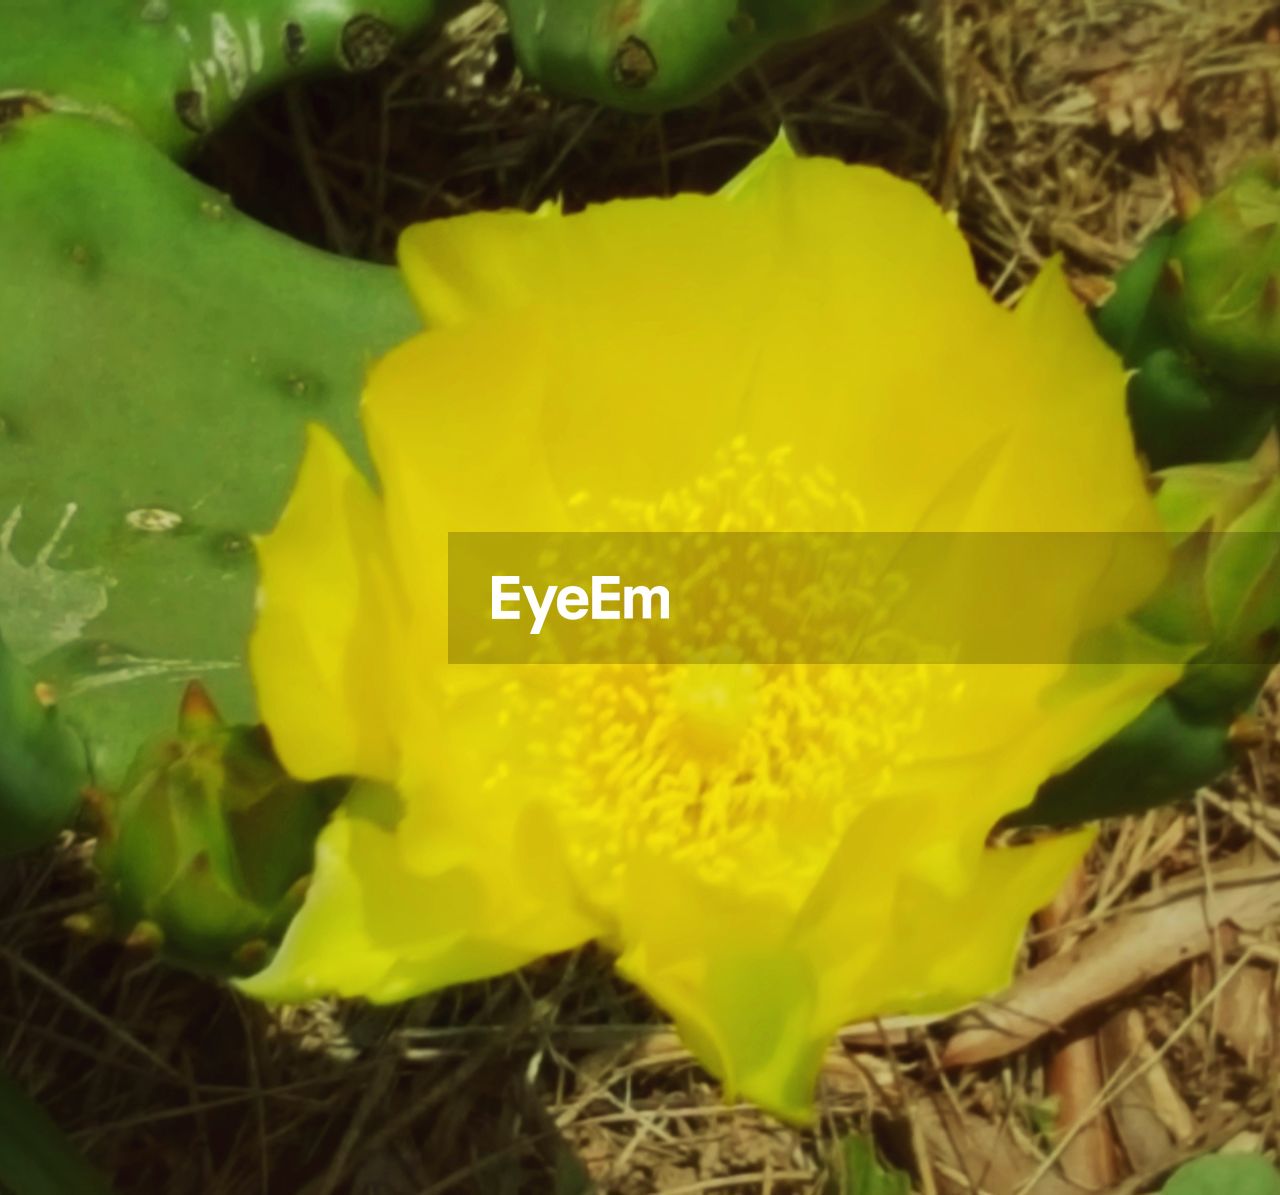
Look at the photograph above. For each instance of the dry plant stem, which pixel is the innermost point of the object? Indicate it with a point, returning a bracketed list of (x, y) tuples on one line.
[(1074, 1072), (962, 1145), (1249, 1018), (87, 1010), (1125, 1078), (339, 242), (1243, 817), (1152, 1120), (1157, 936)]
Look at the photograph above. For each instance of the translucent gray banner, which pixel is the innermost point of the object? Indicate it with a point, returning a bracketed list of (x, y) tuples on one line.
[(802, 598)]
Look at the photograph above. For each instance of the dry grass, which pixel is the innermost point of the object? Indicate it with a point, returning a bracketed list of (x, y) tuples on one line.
[(1047, 126)]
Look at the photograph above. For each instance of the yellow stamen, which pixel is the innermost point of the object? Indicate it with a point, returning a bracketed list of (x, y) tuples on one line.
[(749, 772)]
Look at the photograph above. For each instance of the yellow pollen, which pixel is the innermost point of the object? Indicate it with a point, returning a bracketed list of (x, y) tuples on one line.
[(749, 773), (712, 706)]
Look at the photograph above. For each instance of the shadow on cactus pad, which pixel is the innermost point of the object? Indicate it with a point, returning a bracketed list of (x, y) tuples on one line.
[(42, 763)]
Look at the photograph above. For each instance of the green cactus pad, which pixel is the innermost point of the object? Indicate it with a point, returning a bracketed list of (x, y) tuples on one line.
[(159, 359), (174, 69), (651, 55)]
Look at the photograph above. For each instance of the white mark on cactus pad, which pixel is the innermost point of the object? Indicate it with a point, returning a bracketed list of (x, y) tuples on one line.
[(153, 519), (121, 668), (42, 608), (198, 84), (256, 55), (229, 50)]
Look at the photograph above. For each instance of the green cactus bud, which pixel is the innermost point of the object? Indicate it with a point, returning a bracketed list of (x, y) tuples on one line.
[(42, 762), (205, 853), (1222, 279), (1182, 415), (1129, 320), (1197, 317), (1221, 597), (1226, 581), (1163, 754), (651, 55)]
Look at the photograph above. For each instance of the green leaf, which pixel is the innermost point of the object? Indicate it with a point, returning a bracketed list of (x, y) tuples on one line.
[(859, 1172), (36, 1158), (1225, 1174), (571, 1177)]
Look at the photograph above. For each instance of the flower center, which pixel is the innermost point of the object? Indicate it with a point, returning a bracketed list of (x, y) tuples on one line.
[(747, 772), (711, 707)]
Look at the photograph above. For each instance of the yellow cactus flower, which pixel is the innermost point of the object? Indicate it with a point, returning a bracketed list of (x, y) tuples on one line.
[(770, 849)]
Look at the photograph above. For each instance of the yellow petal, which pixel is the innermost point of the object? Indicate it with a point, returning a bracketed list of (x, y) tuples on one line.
[(761, 172), (727, 349), (1028, 721), (758, 995), (736, 347), (1075, 437), (622, 355), (905, 329), (327, 677), (456, 268), (375, 925), (470, 266), (952, 969), (915, 915), (460, 454), (742, 997)]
